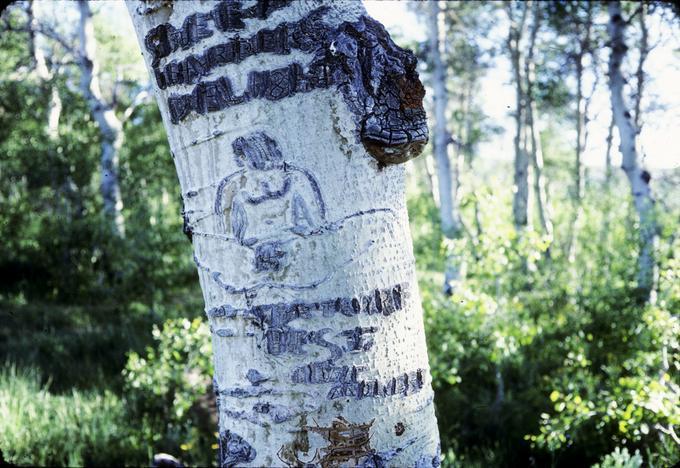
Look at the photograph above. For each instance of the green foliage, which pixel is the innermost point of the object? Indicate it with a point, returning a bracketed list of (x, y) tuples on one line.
[(41, 429), (538, 357), (620, 459), (168, 392)]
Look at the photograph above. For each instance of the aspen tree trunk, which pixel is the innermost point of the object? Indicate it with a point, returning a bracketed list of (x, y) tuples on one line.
[(520, 201), (540, 190), (582, 104), (110, 127), (441, 135), (44, 75), (448, 186), (637, 177), (606, 185), (432, 186), (287, 121), (644, 49)]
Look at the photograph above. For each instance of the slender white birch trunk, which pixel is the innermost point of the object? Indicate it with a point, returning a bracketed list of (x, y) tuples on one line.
[(110, 127), (286, 121), (447, 181), (583, 36), (531, 114), (441, 134), (637, 177), (520, 201), (44, 75)]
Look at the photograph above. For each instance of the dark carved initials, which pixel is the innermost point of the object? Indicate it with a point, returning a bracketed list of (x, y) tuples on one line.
[(377, 78)]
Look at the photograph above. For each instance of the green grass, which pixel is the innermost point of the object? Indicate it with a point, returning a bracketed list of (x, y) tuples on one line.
[(75, 429)]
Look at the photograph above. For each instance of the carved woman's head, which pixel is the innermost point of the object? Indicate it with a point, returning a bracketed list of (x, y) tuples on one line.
[(257, 151)]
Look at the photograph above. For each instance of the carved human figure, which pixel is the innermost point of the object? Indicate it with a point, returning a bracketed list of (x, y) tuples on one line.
[(274, 213), (285, 201)]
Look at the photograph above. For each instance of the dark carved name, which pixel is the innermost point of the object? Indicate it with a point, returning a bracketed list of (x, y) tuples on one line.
[(272, 85), (378, 79), (227, 16), (288, 340), (301, 35), (356, 339), (346, 383), (379, 301), (404, 384)]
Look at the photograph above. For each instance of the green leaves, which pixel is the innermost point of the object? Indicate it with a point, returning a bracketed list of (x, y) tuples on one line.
[(549, 357), (163, 387)]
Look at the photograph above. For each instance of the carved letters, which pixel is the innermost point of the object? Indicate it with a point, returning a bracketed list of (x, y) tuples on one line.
[(379, 301), (272, 85), (282, 339), (302, 35), (228, 15), (377, 78)]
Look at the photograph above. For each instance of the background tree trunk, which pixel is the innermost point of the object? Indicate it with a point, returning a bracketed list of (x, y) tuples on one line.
[(582, 35), (540, 190), (286, 160), (637, 177), (520, 202), (447, 179), (110, 127)]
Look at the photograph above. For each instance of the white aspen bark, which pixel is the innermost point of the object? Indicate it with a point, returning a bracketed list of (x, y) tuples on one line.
[(644, 49), (285, 120), (110, 127), (582, 104), (432, 186), (520, 201), (537, 163), (608, 155), (540, 190), (606, 185), (447, 182), (441, 135), (638, 178), (44, 75)]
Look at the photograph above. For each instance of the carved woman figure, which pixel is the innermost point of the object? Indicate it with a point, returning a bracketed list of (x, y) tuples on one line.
[(275, 214), (285, 201)]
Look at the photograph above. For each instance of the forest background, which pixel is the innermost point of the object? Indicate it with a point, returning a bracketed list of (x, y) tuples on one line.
[(551, 297)]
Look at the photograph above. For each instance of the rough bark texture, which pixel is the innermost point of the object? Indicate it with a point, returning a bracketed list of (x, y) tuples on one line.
[(110, 127), (285, 119), (637, 177)]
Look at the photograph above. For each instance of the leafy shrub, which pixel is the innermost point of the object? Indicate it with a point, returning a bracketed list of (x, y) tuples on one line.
[(620, 459), (539, 358), (168, 392)]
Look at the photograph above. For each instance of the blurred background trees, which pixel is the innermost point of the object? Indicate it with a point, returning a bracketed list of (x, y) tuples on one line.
[(554, 341)]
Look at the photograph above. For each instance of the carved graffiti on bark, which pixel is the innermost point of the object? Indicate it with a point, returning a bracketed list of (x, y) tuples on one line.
[(234, 449), (227, 15), (278, 315), (378, 79), (290, 200)]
